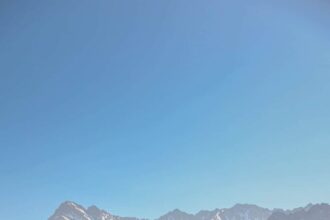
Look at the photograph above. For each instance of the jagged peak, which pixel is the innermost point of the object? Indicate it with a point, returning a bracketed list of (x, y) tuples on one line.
[(245, 205), (70, 210)]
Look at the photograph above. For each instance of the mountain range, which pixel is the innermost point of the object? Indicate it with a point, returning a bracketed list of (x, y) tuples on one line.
[(73, 211)]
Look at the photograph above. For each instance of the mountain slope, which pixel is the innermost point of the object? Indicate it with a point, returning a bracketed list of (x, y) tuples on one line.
[(72, 211), (310, 212), (237, 212)]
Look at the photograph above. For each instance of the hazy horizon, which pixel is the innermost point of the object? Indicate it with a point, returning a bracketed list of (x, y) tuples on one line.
[(141, 107)]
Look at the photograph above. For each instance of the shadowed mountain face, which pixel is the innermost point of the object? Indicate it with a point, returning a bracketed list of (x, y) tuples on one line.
[(238, 212), (73, 211), (310, 212)]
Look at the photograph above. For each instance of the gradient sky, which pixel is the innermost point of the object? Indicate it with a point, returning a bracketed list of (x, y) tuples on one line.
[(140, 107)]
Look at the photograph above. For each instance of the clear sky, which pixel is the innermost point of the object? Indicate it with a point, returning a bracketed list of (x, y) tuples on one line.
[(140, 107)]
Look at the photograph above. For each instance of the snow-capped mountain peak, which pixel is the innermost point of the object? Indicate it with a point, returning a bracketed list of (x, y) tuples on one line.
[(70, 211)]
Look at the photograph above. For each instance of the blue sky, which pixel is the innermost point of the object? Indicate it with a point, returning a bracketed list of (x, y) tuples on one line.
[(141, 107)]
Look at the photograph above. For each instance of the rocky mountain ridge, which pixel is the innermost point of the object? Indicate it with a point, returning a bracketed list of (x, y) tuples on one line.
[(73, 211)]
